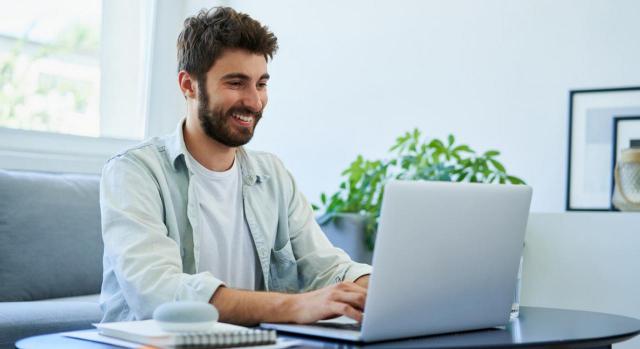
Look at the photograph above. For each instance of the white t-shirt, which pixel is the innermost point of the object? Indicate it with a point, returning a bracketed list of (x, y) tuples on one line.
[(226, 248)]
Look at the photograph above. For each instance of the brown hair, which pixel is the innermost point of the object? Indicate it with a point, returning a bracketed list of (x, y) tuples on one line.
[(207, 34)]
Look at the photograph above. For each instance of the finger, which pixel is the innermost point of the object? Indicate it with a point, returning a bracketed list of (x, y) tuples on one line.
[(347, 310), (352, 286), (355, 299)]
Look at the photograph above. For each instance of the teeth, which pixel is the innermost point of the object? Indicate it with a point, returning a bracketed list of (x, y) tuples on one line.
[(243, 117)]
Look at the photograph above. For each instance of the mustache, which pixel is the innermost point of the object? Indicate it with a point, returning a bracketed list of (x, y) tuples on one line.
[(243, 111)]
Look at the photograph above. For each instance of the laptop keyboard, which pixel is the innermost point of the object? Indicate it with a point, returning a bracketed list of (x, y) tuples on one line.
[(350, 327)]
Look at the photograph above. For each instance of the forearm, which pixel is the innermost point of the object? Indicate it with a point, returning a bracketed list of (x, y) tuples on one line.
[(251, 307)]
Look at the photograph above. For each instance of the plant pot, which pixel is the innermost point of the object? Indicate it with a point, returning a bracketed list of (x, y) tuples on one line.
[(346, 231)]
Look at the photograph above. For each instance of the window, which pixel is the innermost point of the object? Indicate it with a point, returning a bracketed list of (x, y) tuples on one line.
[(76, 67), (50, 66), (75, 80)]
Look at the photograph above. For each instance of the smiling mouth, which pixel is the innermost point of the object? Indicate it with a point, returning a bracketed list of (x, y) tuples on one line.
[(244, 118)]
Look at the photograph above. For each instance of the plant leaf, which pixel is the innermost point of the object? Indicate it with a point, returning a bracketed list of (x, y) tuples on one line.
[(436, 144), (463, 148), (515, 180), (491, 153), (416, 134), (497, 165), (462, 176)]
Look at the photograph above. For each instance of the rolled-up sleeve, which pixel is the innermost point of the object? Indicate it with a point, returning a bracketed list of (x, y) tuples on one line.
[(142, 262)]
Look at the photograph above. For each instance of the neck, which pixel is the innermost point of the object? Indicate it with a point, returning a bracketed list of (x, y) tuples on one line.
[(208, 152)]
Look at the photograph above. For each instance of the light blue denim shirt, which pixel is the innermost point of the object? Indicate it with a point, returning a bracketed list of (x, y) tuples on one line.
[(151, 238)]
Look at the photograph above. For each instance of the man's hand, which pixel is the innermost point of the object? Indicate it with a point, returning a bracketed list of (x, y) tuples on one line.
[(345, 298), (250, 308)]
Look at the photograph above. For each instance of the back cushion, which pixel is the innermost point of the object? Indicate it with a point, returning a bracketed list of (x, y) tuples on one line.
[(50, 241)]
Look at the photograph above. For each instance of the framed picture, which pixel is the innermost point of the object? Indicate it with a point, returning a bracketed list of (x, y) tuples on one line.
[(626, 134), (591, 120)]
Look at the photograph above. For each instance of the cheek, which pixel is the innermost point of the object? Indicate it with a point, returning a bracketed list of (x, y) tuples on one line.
[(224, 100)]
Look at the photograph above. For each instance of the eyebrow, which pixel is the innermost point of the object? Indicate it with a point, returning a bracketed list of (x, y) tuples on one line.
[(242, 76)]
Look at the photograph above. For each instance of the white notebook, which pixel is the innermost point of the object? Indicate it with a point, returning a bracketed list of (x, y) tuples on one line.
[(221, 335)]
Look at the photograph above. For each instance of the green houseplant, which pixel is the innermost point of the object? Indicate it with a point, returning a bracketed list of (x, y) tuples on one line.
[(413, 158)]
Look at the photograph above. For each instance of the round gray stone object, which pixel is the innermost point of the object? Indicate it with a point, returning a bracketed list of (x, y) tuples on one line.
[(186, 311)]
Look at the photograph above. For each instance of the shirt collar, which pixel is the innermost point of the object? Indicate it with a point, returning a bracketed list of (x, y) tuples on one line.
[(177, 150)]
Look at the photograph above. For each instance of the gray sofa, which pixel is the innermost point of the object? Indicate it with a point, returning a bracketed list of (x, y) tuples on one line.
[(50, 253)]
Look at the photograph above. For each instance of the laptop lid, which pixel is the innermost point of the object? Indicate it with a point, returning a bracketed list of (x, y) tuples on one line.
[(446, 258)]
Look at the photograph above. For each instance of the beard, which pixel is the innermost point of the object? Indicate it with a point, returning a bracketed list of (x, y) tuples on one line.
[(216, 122)]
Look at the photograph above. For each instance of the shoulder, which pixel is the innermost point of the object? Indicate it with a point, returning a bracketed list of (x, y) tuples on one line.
[(139, 150), (146, 155)]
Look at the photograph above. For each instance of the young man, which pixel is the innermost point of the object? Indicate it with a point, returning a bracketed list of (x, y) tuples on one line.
[(194, 216)]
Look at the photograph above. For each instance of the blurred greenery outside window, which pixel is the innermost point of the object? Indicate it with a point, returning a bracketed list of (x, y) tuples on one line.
[(50, 66)]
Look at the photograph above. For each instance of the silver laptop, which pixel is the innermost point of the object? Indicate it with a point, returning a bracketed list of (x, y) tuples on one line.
[(446, 260)]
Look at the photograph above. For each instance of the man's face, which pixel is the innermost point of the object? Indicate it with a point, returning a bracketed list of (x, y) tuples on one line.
[(231, 100)]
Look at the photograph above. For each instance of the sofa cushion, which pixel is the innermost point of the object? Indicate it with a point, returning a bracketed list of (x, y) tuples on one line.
[(23, 319), (90, 298), (50, 241)]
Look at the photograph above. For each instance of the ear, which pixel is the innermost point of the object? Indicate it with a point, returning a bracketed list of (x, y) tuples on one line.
[(187, 85)]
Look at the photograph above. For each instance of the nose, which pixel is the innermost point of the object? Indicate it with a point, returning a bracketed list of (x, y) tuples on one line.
[(253, 99)]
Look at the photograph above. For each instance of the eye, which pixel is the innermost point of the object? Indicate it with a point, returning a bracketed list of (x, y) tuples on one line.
[(235, 83), (262, 84)]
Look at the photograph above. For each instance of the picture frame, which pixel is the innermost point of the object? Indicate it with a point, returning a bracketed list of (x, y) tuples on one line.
[(590, 146), (626, 134)]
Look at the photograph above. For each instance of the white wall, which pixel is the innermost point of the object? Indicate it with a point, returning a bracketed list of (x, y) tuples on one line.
[(586, 261), (351, 76), (166, 104)]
